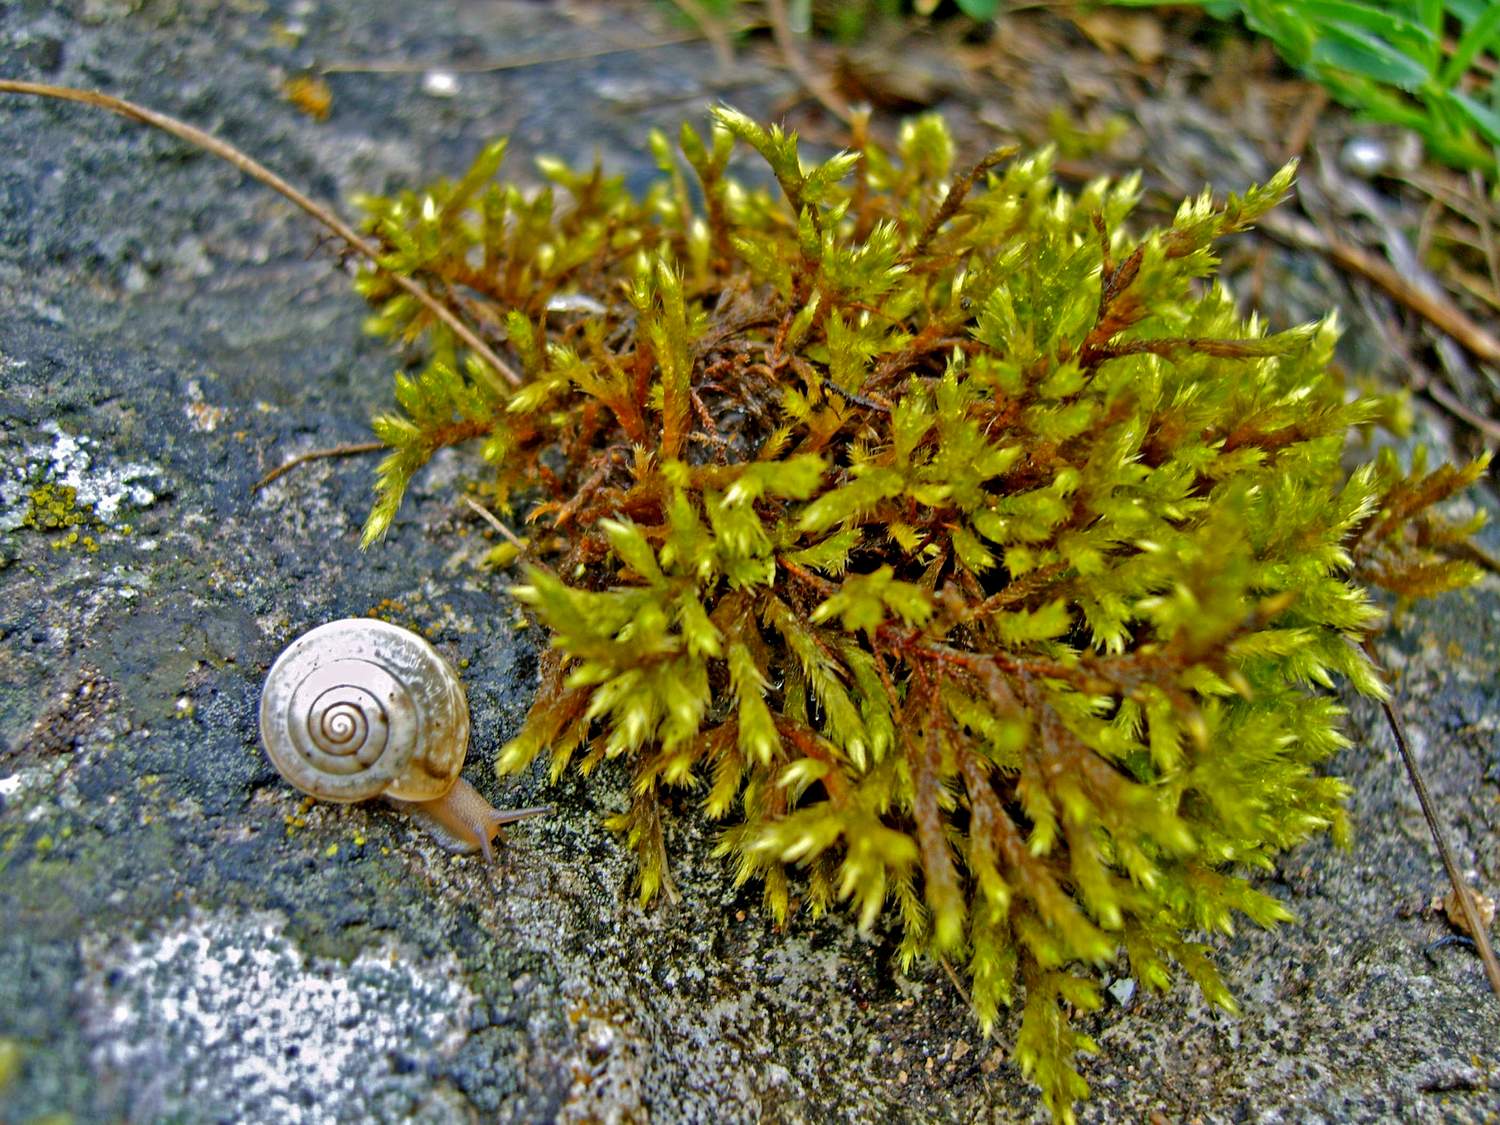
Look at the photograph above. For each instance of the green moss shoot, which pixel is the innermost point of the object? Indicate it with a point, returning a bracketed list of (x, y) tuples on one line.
[(965, 554)]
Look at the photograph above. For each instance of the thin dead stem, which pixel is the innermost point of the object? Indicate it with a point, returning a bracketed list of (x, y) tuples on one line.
[(520, 62), (715, 32), (1486, 230), (816, 84), (350, 449), (257, 171), (493, 520), (1436, 309), (953, 199), (958, 984), (1461, 891)]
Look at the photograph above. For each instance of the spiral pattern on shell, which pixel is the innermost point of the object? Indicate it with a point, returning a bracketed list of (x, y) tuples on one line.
[(358, 708)]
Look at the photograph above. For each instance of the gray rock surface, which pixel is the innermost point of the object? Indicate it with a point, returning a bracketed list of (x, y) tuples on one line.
[(184, 939)]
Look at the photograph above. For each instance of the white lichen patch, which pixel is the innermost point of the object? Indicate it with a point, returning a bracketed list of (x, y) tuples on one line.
[(607, 1069), (17, 788), (202, 415), (440, 84), (220, 1017), (107, 487)]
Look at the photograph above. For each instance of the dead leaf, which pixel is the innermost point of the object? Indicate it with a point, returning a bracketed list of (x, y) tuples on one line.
[(1484, 905), (1137, 33)]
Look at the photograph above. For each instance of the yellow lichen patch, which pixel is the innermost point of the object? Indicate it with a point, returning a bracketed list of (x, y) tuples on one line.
[(11, 1055), (310, 94), (54, 507)]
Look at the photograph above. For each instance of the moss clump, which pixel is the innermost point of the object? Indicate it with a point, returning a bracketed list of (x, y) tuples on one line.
[(966, 554)]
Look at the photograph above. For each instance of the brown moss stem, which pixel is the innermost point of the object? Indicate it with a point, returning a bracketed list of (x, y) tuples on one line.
[(954, 197)]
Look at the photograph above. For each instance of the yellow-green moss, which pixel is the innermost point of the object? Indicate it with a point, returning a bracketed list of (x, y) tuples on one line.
[(961, 549)]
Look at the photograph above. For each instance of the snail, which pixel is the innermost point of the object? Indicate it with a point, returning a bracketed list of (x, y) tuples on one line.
[(360, 708)]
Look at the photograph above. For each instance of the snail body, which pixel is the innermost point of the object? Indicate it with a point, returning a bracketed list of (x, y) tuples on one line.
[(360, 708)]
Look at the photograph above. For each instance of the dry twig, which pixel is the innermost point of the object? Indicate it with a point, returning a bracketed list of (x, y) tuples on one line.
[(713, 31), (1429, 811), (816, 84), (1303, 124), (1440, 311), (494, 521), (520, 62), (1486, 230), (258, 171), (350, 449)]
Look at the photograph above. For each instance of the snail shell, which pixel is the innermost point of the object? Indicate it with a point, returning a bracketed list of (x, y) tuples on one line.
[(360, 708)]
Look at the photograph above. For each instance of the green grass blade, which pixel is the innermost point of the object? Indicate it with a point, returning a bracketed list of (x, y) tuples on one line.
[(1468, 11), (1359, 53), (1405, 34), (1482, 117), (1481, 35), (1432, 15)]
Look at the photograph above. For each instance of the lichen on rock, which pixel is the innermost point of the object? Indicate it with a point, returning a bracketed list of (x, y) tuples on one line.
[(223, 1017)]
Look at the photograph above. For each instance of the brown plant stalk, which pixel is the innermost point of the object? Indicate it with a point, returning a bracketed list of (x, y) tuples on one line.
[(258, 171)]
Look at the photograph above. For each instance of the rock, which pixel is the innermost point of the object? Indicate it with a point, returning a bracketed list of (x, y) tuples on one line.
[(184, 938)]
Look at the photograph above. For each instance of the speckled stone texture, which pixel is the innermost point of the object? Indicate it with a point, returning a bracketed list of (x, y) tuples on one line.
[(183, 939)]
